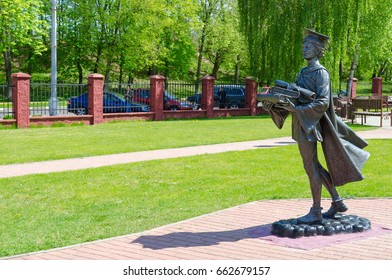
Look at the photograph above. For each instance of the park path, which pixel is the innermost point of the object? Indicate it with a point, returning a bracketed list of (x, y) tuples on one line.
[(13, 170)]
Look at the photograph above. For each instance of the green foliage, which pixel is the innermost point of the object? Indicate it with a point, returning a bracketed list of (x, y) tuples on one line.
[(8, 117), (21, 25), (187, 39), (225, 42), (174, 46), (274, 31)]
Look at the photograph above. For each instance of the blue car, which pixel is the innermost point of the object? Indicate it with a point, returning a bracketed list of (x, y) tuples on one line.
[(233, 97), (112, 103)]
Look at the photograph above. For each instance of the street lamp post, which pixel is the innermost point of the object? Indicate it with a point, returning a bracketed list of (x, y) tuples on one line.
[(53, 101)]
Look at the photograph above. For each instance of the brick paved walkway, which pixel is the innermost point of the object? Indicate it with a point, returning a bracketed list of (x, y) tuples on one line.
[(234, 234)]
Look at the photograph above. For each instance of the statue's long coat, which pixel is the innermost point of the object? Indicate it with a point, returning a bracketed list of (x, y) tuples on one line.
[(316, 121)]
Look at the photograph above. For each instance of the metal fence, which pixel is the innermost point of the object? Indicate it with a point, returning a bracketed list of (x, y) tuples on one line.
[(122, 97), (128, 98), (175, 97), (41, 93), (6, 110)]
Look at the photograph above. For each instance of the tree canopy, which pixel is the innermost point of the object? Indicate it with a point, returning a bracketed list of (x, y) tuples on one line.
[(359, 32), (21, 25), (187, 39), (122, 39)]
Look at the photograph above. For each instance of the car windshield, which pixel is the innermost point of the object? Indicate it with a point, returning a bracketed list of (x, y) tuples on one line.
[(144, 93), (232, 90), (111, 97), (171, 96), (237, 91)]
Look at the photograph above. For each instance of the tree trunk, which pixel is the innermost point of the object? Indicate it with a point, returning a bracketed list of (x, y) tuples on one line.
[(80, 71), (215, 69), (30, 62), (120, 78), (130, 79), (107, 75), (200, 58), (8, 71), (99, 53), (382, 69), (351, 76), (237, 70)]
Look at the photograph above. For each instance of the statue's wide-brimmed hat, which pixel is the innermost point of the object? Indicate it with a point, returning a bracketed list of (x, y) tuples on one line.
[(321, 40)]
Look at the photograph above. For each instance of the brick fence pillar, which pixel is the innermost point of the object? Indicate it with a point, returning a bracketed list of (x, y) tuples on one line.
[(156, 96), (207, 95), (95, 97), (377, 86), (21, 99), (250, 95)]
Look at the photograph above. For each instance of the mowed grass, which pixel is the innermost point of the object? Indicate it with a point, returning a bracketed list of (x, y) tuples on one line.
[(29, 145), (40, 212)]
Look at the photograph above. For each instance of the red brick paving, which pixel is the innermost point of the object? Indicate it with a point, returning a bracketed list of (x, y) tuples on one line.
[(224, 235)]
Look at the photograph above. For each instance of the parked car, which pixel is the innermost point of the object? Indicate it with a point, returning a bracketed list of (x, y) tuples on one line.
[(112, 103), (225, 96), (170, 102)]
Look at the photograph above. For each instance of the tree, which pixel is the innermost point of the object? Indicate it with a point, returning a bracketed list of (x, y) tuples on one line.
[(207, 9), (225, 42), (75, 44), (175, 47), (20, 25), (274, 32)]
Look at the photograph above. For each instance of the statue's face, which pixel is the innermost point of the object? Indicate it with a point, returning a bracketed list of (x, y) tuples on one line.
[(309, 51)]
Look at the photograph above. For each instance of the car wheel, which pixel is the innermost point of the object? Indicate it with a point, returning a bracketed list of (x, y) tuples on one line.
[(174, 108), (81, 111), (195, 106)]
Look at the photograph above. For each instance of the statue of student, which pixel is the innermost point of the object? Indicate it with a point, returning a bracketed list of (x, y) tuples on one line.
[(315, 121)]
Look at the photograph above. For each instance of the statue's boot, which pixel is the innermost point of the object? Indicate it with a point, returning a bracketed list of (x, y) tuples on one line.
[(337, 206), (313, 217)]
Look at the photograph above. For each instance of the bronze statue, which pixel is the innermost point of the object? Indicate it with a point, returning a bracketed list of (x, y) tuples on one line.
[(314, 120)]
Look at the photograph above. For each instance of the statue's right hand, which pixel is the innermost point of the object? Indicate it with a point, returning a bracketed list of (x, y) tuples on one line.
[(267, 105)]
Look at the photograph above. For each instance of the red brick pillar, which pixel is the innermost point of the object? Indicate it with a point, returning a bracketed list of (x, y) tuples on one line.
[(353, 89), (377, 86), (207, 95), (21, 99), (95, 98), (250, 95), (156, 96)]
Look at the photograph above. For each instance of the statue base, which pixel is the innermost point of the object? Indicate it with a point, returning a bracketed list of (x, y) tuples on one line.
[(340, 224)]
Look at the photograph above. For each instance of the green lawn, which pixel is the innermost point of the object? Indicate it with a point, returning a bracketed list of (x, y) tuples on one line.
[(28, 145), (52, 210)]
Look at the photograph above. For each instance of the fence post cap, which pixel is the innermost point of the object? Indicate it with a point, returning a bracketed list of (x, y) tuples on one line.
[(208, 77), (157, 77), (96, 76), (21, 75)]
